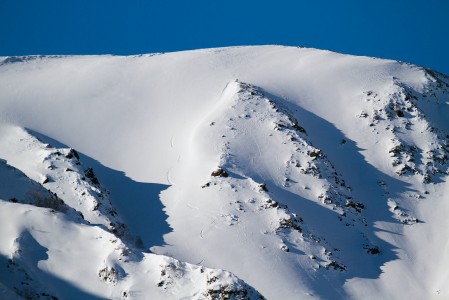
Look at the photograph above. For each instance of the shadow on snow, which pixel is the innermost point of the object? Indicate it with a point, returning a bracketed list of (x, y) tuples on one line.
[(33, 282), (137, 203), (363, 179)]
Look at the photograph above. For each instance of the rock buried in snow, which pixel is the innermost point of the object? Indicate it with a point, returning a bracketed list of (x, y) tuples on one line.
[(285, 248), (219, 173)]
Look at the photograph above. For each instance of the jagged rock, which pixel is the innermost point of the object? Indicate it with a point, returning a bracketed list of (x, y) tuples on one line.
[(356, 205), (399, 113), (219, 173), (108, 274), (219, 289), (269, 203), (374, 250), (396, 149), (46, 199), (290, 222), (91, 175), (72, 153), (45, 180), (263, 187), (315, 153), (336, 266)]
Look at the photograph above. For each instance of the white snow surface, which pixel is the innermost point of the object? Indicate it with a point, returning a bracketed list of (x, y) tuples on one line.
[(233, 173)]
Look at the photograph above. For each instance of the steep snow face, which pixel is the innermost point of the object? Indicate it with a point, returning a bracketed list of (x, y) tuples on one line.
[(306, 173), (252, 162), (52, 257), (61, 172), (49, 249)]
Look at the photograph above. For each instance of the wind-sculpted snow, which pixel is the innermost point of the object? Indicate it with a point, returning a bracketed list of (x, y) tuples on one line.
[(49, 250), (16, 187), (61, 171), (50, 257), (254, 162), (305, 174), (417, 148)]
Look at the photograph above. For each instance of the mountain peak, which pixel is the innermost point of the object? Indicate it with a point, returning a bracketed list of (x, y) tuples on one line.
[(231, 173)]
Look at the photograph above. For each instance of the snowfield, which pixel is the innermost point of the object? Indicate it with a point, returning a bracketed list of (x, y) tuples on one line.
[(235, 173)]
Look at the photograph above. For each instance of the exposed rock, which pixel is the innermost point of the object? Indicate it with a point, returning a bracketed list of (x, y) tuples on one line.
[(108, 274), (72, 153), (91, 175), (399, 113), (219, 173), (263, 187), (335, 265), (373, 250), (315, 153), (285, 248)]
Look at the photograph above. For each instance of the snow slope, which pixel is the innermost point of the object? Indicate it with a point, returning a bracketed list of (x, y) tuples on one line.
[(51, 250), (307, 174)]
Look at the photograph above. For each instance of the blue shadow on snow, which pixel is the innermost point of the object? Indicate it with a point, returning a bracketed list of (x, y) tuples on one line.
[(137, 203)]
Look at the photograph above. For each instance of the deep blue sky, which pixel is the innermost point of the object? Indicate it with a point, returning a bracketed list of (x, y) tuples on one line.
[(409, 30)]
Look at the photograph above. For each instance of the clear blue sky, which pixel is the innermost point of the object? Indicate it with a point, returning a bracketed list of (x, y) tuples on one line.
[(415, 30)]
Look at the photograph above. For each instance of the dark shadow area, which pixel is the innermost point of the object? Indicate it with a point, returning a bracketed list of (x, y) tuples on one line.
[(23, 275), (137, 203)]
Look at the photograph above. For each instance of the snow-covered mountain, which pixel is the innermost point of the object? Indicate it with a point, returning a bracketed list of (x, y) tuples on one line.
[(236, 173)]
